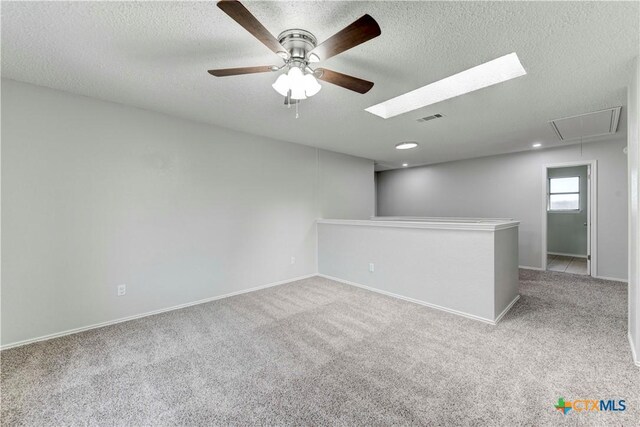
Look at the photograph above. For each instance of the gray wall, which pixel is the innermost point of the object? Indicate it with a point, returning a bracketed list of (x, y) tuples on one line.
[(633, 132), (481, 290), (95, 194), (346, 186), (566, 231), (512, 186)]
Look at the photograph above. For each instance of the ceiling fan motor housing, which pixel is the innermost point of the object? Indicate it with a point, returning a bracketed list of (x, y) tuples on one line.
[(298, 43)]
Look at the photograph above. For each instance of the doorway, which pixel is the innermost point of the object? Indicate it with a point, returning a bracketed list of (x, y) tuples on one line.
[(569, 223)]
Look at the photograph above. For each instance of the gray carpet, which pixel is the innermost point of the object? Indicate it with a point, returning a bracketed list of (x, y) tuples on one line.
[(316, 352)]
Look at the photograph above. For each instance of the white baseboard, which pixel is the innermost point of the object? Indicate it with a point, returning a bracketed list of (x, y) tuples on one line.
[(416, 301), (149, 313), (563, 254), (634, 356), (526, 267), (610, 278), (506, 310), (615, 279)]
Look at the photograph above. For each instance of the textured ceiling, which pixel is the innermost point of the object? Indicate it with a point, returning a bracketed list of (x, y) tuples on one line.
[(155, 55)]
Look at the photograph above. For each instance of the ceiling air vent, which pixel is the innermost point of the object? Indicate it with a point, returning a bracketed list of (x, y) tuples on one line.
[(426, 119), (598, 123)]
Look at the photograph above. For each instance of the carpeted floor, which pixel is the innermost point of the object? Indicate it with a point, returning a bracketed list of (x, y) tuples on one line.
[(316, 352)]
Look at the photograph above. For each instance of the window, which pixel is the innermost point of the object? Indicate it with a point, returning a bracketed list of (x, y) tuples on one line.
[(564, 194)]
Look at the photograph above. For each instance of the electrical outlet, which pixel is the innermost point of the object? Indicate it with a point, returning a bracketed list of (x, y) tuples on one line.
[(371, 267), (122, 289), (293, 260)]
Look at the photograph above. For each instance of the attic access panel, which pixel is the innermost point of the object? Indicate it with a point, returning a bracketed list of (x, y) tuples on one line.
[(604, 122)]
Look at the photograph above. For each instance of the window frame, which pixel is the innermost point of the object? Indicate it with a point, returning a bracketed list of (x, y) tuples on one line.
[(549, 194)]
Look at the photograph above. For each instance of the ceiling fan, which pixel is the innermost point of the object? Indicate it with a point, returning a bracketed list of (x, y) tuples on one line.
[(298, 49)]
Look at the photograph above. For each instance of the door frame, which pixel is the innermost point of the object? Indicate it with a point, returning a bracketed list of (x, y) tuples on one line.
[(592, 211)]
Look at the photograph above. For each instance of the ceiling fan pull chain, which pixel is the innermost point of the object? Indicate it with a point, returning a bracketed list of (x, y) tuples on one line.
[(297, 114)]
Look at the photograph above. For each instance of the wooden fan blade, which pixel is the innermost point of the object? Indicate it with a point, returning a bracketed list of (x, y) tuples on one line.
[(242, 16), (348, 82), (224, 72), (360, 31)]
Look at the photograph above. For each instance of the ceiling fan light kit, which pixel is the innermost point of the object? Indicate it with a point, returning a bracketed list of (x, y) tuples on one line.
[(296, 84), (298, 48)]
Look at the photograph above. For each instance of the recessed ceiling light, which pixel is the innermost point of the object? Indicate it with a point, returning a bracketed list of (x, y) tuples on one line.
[(404, 165), (537, 145), (406, 145), (496, 71)]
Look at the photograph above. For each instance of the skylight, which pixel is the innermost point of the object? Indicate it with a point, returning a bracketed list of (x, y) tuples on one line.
[(490, 73)]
